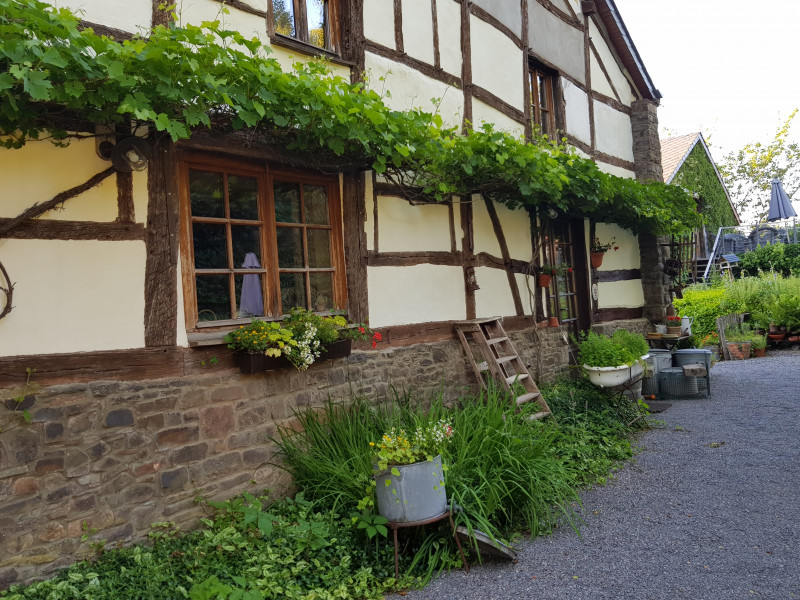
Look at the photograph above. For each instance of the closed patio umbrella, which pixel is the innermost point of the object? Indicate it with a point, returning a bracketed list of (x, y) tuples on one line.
[(780, 207)]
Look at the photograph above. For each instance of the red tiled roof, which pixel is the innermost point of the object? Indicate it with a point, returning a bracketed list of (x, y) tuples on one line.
[(674, 151)]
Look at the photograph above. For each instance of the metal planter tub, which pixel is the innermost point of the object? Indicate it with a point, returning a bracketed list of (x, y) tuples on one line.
[(611, 376), (417, 494)]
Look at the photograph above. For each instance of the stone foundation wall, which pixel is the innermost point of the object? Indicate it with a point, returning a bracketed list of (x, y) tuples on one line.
[(114, 457)]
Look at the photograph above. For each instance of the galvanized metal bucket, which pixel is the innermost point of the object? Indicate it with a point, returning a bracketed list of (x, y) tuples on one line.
[(417, 494)]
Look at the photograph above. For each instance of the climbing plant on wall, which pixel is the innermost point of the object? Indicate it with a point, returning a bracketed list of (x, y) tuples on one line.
[(697, 174), (58, 81)]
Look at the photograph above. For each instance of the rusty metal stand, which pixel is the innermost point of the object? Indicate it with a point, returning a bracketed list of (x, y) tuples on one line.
[(395, 525)]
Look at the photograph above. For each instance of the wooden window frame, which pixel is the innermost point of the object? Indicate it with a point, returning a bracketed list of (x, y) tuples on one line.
[(333, 22), (266, 175), (536, 119), (572, 230)]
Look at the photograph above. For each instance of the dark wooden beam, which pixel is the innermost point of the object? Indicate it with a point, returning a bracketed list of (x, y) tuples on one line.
[(604, 315), (618, 275), (355, 242), (398, 26), (39, 229), (501, 239), (161, 286), (498, 104)]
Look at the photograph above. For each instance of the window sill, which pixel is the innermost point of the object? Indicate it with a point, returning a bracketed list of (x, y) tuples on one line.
[(290, 43)]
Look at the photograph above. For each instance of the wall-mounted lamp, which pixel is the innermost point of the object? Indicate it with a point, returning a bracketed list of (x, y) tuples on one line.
[(129, 154)]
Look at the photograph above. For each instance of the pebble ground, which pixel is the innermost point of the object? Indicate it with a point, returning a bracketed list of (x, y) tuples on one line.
[(708, 509)]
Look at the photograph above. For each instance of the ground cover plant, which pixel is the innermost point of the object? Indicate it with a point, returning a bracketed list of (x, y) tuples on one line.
[(509, 475)]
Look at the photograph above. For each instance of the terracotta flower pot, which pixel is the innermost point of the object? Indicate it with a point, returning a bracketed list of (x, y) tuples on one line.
[(553, 322), (759, 352), (543, 279), (597, 259)]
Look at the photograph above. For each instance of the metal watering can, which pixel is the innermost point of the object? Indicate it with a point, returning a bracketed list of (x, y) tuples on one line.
[(686, 325)]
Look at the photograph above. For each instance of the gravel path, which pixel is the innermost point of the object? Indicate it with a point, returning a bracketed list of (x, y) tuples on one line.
[(707, 511)]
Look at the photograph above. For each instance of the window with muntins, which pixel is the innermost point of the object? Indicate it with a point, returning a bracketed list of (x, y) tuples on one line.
[(314, 22), (258, 242), (543, 114)]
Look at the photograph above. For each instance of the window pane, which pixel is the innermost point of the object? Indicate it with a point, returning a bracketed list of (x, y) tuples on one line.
[(315, 13), (316, 201), (293, 291), (243, 197), (205, 191), (246, 240), (210, 246), (249, 296), (545, 122), (283, 11), (213, 298), (290, 248), (542, 84), (319, 248), (322, 290), (287, 202)]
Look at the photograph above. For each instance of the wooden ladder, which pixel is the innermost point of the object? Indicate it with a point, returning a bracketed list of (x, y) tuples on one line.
[(501, 360)]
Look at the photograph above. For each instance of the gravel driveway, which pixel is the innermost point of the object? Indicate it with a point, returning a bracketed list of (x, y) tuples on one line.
[(708, 510)]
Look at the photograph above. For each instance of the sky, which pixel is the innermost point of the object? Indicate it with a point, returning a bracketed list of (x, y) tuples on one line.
[(727, 68)]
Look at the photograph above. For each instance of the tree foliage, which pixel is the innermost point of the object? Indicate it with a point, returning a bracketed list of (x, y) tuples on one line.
[(748, 173), (59, 81)]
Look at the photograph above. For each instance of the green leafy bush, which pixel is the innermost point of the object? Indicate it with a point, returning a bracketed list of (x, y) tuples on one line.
[(632, 341), (779, 258), (703, 304), (596, 350)]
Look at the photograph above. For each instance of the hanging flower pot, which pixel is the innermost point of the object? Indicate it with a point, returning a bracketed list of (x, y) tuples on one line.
[(544, 279), (597, 259)]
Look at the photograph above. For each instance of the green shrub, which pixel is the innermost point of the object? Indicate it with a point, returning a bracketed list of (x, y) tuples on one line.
[(596, 350), (780, 258), (634, 342), (703, 304)]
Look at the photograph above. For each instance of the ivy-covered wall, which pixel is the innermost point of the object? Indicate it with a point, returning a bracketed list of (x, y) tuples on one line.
[(698, 176)]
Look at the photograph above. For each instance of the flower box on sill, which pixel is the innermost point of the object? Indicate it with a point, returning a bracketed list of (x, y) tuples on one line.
[(257, 362)]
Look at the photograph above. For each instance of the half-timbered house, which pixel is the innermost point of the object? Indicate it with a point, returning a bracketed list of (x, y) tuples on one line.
[(122, 296)]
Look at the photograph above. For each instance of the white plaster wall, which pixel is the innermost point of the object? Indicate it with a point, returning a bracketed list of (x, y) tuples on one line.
[(600, 82), (379, 22), (508, 13), (615, 72), (556, 42), (418, 29), (516, 229), (627, 257), (196, 11), (494, 299), (620, 294), (577, 111), (403, 227), (615, 170), (418, 294), (133, 15), (448, 19), (39, 170), (369, 207), (412, 89), (483, 113), (613, 131), (496, 63), (73, 296)]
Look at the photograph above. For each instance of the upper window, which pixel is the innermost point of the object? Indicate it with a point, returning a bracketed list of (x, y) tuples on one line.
[(259, 242), (542, 104), (314, 22)]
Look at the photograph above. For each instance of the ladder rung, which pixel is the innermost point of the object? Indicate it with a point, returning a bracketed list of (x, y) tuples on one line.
[(505, 359), (525, 397), (539, 415), (517, 377), (497, 340)]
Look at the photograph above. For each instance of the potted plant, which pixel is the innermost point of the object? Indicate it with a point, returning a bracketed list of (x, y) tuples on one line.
[(673, 323), (260, 346), (759, 344), (409, 473), (598, 251), (301, 339), (614, 360), (547, 272)]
